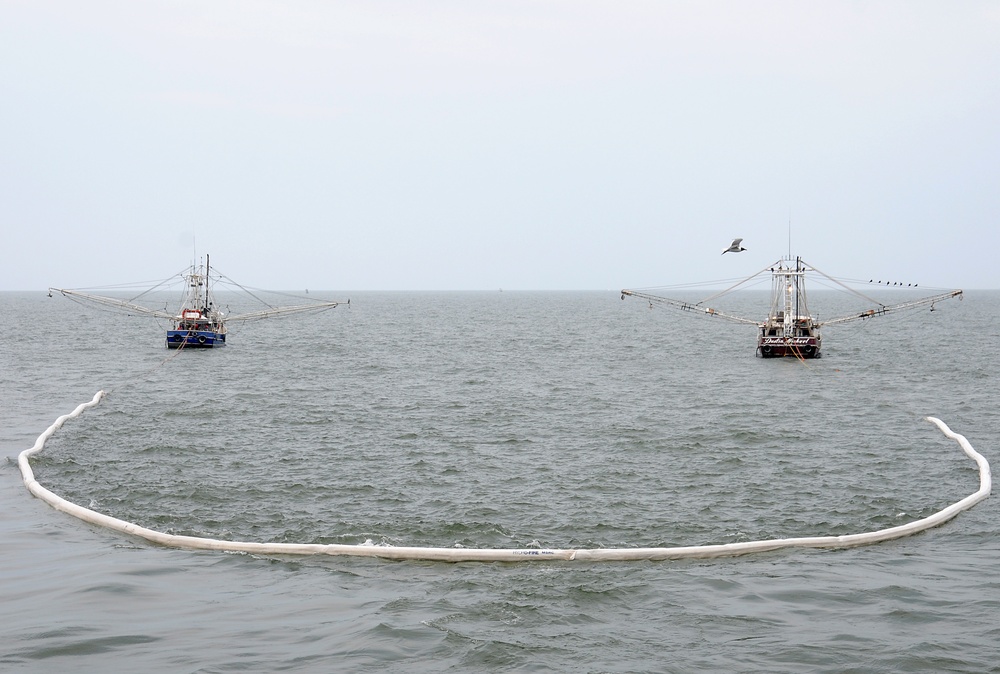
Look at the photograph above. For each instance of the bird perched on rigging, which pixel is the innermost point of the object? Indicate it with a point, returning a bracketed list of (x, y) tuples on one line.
[(734, 247)]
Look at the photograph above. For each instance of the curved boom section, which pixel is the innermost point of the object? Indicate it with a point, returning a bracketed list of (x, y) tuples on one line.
[(498, 555)]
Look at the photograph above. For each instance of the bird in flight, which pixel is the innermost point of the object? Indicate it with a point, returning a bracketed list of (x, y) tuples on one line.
[(734, 247)]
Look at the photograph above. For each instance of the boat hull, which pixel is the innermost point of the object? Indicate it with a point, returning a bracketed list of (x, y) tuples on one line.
[(790, 347), (195, 339)]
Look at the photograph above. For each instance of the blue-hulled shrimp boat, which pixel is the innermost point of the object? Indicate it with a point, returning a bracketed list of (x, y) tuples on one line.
[(200, 322), (200, 325)]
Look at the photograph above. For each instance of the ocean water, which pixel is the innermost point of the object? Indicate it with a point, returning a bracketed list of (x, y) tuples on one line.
[(500, 419)]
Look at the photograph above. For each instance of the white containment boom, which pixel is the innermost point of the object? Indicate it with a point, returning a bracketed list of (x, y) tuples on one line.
[(499, 555)]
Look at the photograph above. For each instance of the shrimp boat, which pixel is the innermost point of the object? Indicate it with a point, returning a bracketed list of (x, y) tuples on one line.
[(200, 322), (790, 329), (200, 325)]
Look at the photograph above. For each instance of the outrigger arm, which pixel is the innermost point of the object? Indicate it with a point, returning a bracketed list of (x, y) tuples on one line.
[(883, 309), (129, 307), (697, 307), (112, 302), (283, 311), (687, 306)]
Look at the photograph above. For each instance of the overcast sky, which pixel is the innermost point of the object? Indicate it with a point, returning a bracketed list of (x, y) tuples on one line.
[(545, 144)]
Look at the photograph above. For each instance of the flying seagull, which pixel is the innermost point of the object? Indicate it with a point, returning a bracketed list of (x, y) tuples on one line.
[(734, 247)]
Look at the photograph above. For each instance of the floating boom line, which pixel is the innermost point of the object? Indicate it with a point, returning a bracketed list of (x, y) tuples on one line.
[(500, 555)]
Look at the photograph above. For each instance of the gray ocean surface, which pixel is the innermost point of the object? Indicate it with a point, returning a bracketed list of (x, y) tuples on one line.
[(499, 419)]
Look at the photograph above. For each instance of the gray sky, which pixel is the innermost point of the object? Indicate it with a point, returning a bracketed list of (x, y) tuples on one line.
[(545, 144)]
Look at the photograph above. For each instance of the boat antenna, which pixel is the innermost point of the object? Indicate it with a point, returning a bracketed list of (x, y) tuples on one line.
[(789, 234)]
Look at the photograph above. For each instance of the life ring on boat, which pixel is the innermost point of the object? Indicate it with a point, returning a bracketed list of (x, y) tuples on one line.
[(192, 334), (201, 339), (766, 351)]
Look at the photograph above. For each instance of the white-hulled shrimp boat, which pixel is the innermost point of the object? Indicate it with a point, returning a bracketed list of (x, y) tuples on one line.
[(789, 328)]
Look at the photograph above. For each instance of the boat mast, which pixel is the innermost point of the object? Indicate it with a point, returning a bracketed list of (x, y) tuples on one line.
[(799, 300), (789, 233), (789, 301), (789, 321), (206, 284)]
